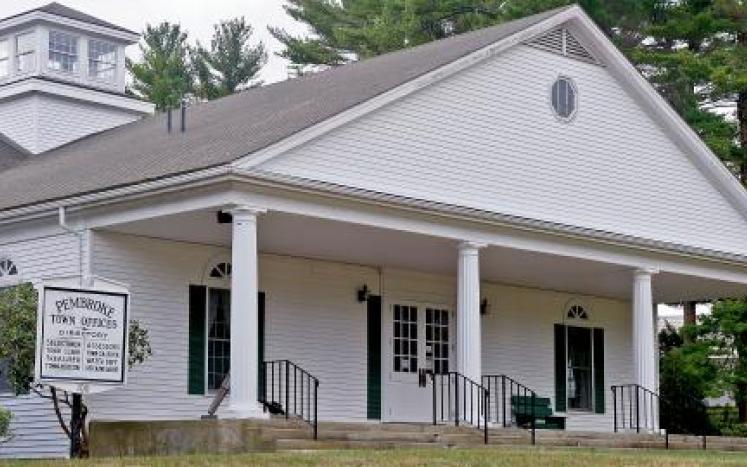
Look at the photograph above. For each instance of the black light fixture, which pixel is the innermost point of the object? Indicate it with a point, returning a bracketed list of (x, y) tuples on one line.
[(363, 293), (484, 306), (224, 217)]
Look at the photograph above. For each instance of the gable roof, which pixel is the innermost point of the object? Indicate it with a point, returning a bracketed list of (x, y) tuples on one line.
[(226, 129), (58, 9)]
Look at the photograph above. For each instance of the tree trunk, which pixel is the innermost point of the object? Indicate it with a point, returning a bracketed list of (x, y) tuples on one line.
[(689, 318)]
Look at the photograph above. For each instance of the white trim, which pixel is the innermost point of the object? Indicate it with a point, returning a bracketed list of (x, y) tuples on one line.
[(31, 16), (73, 91)]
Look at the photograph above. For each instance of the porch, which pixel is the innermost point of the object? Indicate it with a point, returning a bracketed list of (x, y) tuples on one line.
[(504, 301)]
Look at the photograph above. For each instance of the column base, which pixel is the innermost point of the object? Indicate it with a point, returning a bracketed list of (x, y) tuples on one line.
[(245, 410)]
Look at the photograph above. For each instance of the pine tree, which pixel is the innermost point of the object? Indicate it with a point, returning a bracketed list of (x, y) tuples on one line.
[(163, 77), (230, 63)]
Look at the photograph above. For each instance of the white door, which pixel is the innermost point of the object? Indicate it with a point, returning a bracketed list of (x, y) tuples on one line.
[(420, 337)]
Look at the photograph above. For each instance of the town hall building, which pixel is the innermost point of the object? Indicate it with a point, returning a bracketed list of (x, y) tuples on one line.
[(505, 206)]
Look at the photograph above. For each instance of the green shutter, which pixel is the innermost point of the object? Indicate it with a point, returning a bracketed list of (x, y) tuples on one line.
[(560, 370), (374, 357), (196, 352), (261, 341), (599, 391)]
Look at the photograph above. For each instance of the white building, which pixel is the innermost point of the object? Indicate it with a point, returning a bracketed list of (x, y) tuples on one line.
[(525, 170)]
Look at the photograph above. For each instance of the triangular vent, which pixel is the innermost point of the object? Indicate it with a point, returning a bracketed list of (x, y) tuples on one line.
[(562, 42)]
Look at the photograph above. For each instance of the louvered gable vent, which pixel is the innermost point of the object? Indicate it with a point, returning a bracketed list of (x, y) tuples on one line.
[(562, 42)]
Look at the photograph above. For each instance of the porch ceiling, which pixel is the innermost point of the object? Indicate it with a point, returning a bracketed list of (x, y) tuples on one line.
[(292, 235)]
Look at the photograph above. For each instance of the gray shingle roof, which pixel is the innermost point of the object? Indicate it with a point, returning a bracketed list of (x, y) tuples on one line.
[(58, 9), (232, 127), (9, 156)]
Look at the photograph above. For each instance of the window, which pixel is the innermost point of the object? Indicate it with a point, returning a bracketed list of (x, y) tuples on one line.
[(405, 339), (7, 269), (218, 336), (4, 58), (63, 52), (577, 312), (26, 52), (102, 60), (437, 340), (564, 98), (221, 271), (579, 368)]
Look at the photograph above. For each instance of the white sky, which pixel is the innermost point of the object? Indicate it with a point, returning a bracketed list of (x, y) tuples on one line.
[(196, 16)]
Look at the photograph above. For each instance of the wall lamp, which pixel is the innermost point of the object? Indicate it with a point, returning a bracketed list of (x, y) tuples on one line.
[(363, 293)]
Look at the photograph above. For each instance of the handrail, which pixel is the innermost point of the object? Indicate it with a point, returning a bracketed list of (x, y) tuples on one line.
[(641, 409), (502, 388), (460, 399), (220, 394), (290, 390)]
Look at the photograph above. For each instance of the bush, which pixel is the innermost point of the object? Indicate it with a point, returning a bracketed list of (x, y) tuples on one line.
[(736, 429), (5, 417)]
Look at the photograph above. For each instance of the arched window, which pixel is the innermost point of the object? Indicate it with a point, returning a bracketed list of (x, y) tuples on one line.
[(7, 269), (221, 271), (577, 312)]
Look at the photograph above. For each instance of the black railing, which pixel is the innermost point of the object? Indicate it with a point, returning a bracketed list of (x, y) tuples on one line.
[(288, 389), (638, 408), (459, 400), (511, 403)]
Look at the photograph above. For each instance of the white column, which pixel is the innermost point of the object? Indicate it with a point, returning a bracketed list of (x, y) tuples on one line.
[(244, 304), (644, 339), (469, 348)]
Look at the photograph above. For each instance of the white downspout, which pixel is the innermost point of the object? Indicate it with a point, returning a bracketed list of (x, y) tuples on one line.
[(84, 247)]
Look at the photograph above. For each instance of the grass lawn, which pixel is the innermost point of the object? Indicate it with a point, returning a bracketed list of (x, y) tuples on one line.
[(514, 457)]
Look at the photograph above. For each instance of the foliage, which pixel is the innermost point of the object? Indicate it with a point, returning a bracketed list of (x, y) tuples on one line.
[(139, 344), (230, 63), (18, 334), (5, 418), (163, 76), (737, 429), (686, 374)]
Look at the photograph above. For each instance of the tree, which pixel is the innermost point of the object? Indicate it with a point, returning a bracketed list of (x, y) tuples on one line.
[(724, 334), (231, 63), (163, 77), (18, 308), (357, 29), (5, 418)]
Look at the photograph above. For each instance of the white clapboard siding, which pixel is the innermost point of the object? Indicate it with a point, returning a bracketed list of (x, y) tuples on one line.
[(487, 138), (36, 432), (41, 122), (313, 319)]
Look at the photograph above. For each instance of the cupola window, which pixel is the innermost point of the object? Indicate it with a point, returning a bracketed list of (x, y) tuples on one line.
[(63, 52)]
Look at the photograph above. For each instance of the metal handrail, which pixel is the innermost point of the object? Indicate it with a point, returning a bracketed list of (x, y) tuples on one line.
[(290, 390), (639, 412), (502, 388), (460, 400)]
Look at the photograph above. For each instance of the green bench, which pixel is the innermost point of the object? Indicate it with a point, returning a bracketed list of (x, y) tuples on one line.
[(521, 406)]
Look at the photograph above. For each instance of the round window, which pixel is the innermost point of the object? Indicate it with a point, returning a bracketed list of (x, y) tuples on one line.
[(564, 98)]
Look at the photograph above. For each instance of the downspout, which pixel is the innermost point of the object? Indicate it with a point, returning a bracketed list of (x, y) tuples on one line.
[(84, 263)]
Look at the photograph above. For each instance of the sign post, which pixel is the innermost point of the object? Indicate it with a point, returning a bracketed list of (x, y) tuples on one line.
[(81, 344)]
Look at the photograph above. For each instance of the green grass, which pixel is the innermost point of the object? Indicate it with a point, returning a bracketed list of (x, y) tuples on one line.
[(514, 457)]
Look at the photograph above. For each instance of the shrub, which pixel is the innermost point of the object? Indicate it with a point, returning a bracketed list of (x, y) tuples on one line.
[(5, 417)]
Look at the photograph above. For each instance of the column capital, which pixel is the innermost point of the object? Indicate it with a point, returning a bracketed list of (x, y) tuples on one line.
[(468, 246), (645, 272), (243, 210)]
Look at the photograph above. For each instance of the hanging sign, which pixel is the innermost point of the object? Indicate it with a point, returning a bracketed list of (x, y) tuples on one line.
[(82, 335)]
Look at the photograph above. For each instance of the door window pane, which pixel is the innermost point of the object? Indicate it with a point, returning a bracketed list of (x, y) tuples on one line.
[(579, 368), (405, 339), (102, 60), (437, 340), (63, 52), (4, 58), (219, 336), (26, 52)]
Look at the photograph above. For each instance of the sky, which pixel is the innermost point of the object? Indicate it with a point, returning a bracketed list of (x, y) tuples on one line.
[(196, 16)]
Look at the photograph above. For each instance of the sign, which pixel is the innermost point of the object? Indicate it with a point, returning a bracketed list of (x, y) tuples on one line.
[(82, 335)]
